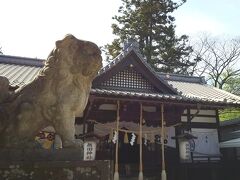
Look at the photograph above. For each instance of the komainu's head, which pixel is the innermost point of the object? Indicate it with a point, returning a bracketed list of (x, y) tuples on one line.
[(79, 57)]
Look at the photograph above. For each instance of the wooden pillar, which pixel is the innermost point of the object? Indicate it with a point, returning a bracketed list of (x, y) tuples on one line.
[(116, 173), (140, 176), (163, 174)]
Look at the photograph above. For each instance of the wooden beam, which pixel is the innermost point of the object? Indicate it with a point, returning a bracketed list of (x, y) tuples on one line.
[(199, 125), (157, 102), (203, 115)]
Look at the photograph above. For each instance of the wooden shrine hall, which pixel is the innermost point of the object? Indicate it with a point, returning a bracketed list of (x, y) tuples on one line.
[(128, 99), (132, 109)]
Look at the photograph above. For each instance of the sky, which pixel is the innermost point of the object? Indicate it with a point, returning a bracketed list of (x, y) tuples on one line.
[(29, 28)]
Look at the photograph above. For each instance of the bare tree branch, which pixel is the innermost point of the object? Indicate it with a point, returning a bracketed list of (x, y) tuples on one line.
[(218, 59)]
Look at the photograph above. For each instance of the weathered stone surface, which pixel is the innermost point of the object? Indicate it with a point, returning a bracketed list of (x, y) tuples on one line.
[(64, 164), (96, 170), (59, 92), (30, 155), (42, 164)]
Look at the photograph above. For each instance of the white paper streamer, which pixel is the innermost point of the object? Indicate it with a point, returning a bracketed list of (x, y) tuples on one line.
[(115, 137), (133, 139), (145, 139)]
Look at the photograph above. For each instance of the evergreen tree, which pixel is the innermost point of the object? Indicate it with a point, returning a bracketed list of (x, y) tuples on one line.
[(150, 23)]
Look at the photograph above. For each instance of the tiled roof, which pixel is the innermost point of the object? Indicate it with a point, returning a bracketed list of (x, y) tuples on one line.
[(156, 96), (137, 94), (21, 71), (204, 92)]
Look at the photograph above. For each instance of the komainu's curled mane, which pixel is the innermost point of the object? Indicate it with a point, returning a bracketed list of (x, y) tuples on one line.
[(54, 97)]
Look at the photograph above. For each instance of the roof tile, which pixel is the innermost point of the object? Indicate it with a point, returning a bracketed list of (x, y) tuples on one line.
[(21, 71)]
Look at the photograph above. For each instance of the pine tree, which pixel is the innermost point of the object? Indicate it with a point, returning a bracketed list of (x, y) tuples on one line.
[(150, 23)]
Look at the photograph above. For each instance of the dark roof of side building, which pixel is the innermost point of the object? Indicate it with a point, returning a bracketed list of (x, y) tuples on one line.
[(19, 70), (230, 122), (21, 61), (230, 133)]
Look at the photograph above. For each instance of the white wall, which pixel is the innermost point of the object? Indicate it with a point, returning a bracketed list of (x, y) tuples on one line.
[(207, 141)]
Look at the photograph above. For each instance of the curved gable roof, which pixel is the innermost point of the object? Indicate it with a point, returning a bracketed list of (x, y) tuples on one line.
[(132, 59)]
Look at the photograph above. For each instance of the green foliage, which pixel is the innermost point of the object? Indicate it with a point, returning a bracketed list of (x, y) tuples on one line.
[(150, 23), (112, 50), (228, 114), (233, 85)]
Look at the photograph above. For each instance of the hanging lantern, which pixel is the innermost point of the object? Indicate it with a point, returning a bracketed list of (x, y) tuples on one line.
[(186, 144), (126, 138), (184, 149)]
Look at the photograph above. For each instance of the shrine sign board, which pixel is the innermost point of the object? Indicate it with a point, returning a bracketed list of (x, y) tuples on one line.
[(89, 151)]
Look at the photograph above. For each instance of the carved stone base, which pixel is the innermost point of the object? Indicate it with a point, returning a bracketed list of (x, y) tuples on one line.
[(64, 164)]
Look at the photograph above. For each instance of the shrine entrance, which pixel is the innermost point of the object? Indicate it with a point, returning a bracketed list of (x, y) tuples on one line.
[(134, 132)]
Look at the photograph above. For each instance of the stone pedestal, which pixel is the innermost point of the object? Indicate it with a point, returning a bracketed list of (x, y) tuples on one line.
[(62, 164)]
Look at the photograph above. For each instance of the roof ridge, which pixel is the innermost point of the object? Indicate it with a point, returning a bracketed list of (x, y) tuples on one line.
[(175, 74), (182, 77), (21, 60)]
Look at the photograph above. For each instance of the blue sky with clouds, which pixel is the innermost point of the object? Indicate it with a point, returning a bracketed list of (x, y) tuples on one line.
[(30, 28)]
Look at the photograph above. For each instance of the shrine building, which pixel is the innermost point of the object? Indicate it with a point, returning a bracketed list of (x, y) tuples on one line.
[(143, 120)]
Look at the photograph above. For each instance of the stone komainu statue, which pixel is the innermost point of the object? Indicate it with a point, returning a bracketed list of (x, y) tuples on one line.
[(53, 98)]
